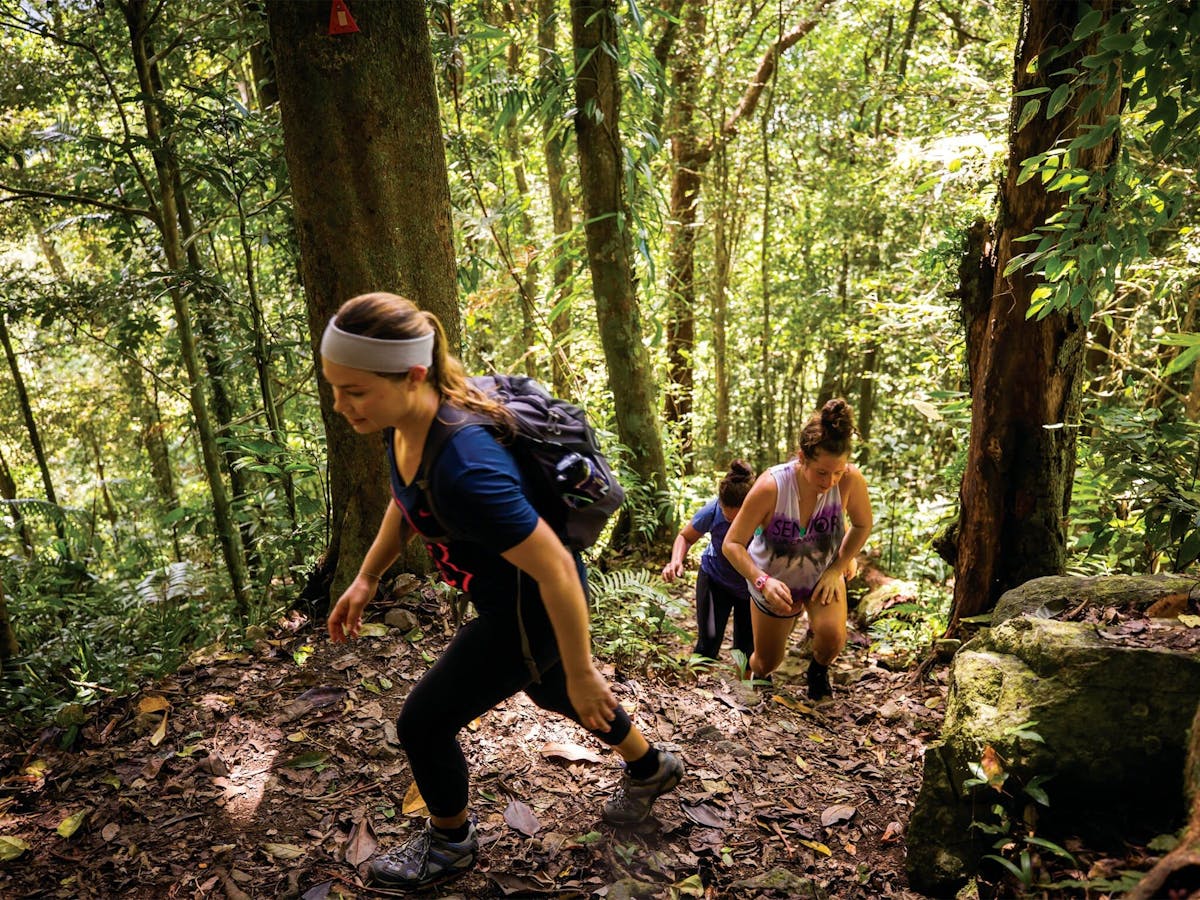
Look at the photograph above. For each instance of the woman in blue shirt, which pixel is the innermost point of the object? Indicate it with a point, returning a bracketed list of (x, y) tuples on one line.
[(720, 588), (391, 372)]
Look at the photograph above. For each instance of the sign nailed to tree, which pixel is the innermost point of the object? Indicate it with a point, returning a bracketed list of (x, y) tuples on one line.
[(340, 20)]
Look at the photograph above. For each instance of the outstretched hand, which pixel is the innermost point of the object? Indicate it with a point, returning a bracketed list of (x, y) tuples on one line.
[(592, 699), (346, 616)]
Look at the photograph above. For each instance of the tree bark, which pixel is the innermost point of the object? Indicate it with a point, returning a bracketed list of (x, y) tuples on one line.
[(553, 139), (609, 251), (1025, 374), (515, 145), (31, 428), (363, 142), (8, 491), (137, 16), (766, 406), (689, 155), (8, 638)]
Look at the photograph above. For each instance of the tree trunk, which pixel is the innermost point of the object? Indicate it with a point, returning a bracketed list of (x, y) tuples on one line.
[(726, 229), (766, 428), (1025, 374), (363, 141), (689, 156), (31, 428), (8, 491), (609, 252), (866, 401), (515, 145), (553, 138), (137, 16), (835, 350), (8, 638)]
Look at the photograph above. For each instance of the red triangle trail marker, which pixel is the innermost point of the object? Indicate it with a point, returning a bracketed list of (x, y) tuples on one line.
[(340, 20)]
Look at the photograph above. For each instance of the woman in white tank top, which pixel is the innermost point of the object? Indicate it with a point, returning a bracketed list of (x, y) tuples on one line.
[(804, 550)]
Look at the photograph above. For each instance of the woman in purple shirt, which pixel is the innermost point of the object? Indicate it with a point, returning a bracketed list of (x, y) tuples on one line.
[(720, 589)]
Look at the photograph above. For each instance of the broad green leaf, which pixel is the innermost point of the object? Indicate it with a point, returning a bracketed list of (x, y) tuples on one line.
[(373, 629), (1059, 99), (1184, 360), (306, 760), (1088, 24), (1028, 111)]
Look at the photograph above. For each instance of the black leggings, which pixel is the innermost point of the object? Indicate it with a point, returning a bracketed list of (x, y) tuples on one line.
[(713, 605), (482, 666)]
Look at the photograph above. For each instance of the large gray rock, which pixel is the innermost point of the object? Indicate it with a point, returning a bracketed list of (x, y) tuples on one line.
[(1163, 595), (1114, 719)]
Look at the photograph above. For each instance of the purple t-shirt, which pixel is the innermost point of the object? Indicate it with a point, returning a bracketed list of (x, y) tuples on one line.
[(711, 521)]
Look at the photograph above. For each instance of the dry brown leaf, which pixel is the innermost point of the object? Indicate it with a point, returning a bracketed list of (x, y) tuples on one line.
[(993, 767), (153, 703), (283, 851), (835, 815), (792, 704), (704, 814), (892, 832), (521, 817), (570, 752), (160, 732), (362, 842)]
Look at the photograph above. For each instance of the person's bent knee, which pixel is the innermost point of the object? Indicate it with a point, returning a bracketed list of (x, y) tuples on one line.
[(765, 663), (419, 724)]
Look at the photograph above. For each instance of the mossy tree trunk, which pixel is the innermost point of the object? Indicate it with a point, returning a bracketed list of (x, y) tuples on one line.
[(8, 638), (610, 257), (1025, 373), (138, 17), (363, 142)]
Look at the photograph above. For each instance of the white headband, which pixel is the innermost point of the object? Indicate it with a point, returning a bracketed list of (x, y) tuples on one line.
[(375, 354)]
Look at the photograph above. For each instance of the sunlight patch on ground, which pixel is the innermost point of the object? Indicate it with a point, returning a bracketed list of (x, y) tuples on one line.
[(245, 785)]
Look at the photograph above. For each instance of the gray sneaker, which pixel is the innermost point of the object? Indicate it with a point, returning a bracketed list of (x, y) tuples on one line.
[(424, 859), (634, 797)]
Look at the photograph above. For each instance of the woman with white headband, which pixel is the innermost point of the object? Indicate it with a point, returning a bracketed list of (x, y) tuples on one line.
[(391, 372)]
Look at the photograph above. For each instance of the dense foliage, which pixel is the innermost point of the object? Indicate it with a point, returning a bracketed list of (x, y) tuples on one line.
[(828, 235)]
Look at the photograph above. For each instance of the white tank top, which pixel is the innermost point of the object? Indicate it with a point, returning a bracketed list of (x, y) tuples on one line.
[(792, 551)]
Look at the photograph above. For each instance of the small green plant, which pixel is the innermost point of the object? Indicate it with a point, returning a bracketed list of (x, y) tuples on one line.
[(1016, 840), (1135, 506), (632, 622), (907, 629)]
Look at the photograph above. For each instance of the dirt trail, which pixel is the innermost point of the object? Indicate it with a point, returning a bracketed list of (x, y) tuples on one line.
[(273, 772)]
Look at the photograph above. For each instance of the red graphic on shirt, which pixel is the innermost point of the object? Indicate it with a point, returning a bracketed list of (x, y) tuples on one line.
[(439, 553)]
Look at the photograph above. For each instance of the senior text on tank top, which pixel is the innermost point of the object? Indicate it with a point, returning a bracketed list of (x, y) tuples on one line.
[(794, 552)]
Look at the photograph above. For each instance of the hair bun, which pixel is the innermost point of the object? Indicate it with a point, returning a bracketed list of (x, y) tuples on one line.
[(837, 418), (740, 470)]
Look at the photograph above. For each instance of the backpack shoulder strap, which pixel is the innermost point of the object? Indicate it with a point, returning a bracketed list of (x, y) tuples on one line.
[(445, 424)]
